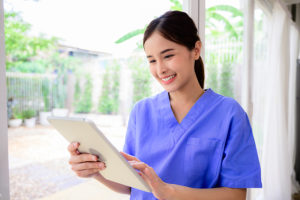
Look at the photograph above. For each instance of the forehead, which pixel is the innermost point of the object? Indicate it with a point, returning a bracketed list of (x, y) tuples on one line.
[(157, 43)]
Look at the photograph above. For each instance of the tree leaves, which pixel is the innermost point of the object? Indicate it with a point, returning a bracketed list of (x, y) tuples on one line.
[(130, 35), (20, 47)]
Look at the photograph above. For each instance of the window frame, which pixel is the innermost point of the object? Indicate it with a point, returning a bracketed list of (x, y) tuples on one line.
[(4, 172), (196, 10)]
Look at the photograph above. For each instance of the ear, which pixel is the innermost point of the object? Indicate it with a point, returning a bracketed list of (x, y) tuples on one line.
[(197, 50)]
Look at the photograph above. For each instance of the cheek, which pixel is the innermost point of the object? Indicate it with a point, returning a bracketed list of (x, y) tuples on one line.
[(152, 71), (179, 65)]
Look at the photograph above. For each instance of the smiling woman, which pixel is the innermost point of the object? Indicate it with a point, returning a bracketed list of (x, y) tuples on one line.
[(186, 142)]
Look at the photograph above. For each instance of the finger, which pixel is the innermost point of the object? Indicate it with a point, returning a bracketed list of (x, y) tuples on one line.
[(132, 161), (146, 179), (139, 166), (145, 169), (72, 148), (86, 173), (88, 165), (151, 178), (129, 157), (150, 173), (83, 158)]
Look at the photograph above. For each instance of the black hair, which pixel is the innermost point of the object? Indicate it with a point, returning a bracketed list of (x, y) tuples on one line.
[(178, 27)]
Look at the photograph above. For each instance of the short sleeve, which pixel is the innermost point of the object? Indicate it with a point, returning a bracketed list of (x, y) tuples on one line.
[(240, 166), (129, 146)]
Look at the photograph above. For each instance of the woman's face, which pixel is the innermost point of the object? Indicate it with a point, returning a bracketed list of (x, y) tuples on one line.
[(171, 64)]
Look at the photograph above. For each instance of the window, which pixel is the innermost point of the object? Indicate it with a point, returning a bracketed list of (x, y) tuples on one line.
[(84, 65), (223, 47)]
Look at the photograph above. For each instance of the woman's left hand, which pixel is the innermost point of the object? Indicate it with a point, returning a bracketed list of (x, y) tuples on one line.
[(159, 188)]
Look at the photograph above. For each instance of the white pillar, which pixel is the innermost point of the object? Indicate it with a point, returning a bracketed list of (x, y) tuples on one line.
[(196, 10), (247, 67), (125, 92), (4, 178)]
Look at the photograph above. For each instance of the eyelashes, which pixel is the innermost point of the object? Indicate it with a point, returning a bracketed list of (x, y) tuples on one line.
[(169, 56), (166, 57)]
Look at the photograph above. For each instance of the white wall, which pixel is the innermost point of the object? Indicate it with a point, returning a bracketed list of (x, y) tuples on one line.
[(4, 181)]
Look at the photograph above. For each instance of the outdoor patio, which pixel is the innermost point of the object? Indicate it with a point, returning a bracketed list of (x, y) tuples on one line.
[(39, 169)]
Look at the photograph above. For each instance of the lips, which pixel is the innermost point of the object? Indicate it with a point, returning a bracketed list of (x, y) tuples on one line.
[(168, 79)]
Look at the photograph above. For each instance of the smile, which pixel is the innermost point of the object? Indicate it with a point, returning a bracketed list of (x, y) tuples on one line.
[(168, 78)]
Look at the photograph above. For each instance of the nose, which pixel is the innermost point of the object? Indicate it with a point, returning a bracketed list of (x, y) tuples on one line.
[(161, 68)]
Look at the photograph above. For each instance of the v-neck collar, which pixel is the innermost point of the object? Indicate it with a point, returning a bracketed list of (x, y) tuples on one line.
[(169, 118)]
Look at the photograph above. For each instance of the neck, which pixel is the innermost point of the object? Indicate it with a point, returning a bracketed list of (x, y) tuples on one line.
[(187, 95)]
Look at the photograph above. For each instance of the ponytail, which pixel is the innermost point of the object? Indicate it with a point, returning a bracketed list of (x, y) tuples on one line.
[(199, 70)]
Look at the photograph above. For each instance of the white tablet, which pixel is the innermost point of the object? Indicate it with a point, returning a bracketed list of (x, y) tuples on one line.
[(93, 141)]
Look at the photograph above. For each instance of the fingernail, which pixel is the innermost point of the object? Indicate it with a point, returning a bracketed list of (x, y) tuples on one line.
[(101, 165)]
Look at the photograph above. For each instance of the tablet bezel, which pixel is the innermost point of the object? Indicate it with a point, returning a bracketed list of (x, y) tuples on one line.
[(141, 184)]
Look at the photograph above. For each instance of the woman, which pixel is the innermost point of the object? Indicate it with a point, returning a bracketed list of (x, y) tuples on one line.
[(186, 142)]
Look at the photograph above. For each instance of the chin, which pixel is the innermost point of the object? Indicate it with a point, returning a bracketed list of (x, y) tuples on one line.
[(170, 89)]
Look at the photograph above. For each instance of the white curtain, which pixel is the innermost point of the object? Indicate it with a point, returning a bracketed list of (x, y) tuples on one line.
[(294, 53), (273, 100)]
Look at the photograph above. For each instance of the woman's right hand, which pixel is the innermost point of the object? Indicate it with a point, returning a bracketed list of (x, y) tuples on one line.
[(83, 164)]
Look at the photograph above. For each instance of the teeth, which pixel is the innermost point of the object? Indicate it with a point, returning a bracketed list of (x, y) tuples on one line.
[(168, 78)]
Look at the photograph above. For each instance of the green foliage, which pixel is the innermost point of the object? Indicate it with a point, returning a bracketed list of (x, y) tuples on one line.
[(19, 46), (215, 15), (27, 114), (34, 66), (83, 100), (62, 65), (77, 92), (141, 78), (46, 94), (109, 99), (221, 58), (230, 17), (130, 35), (211, 66), (176, 5), (226, 80), (60, 91), (16, 114), (227, 8)]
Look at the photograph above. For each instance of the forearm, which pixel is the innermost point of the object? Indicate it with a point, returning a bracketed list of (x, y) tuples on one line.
[(177, 192), (117, 187)]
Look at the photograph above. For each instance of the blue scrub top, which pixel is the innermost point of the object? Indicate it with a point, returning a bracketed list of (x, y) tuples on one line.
[(212, 147)]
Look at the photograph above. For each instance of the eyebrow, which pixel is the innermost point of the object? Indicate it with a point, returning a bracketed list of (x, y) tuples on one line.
[(162, 52)]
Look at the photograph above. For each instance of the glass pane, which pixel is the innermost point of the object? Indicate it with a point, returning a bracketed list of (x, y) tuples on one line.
[(78, 59), (223, 46)]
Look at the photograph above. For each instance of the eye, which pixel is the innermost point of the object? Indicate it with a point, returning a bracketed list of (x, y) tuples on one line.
[(169, 56), (152, 61)]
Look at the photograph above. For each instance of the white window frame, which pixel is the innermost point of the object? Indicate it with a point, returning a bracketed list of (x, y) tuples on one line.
[(4, 172), (196, 10), (248, 50)]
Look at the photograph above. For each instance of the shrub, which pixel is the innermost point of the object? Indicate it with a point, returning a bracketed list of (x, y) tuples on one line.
[(27, 114), (109, 98), (83, 103), (141, 78)]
